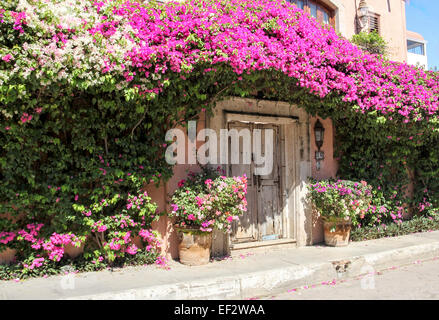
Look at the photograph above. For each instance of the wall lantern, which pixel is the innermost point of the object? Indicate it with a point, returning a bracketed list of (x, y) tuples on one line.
[(363, 15), (319, 133)]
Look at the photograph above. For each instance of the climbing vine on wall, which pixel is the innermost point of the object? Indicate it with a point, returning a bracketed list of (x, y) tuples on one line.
[(89, 88)]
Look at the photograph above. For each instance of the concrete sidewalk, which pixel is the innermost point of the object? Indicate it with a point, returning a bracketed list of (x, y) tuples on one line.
[(245, 274)]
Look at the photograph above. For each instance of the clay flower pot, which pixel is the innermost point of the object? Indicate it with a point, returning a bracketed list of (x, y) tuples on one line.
[(194, 246), (337, 233)]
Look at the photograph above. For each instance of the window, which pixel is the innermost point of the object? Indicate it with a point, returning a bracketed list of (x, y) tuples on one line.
[(374, 23), (416, 47), (299, 3), (313, 10), (325, 17), (317, 10)]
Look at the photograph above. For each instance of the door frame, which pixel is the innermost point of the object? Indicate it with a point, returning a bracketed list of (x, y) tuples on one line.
[(288, 127), (296, 169)]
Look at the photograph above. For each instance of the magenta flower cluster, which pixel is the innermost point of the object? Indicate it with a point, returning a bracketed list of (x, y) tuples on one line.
[(145, 44), (270, 35), (53, 247), (116, 234), (6, 237)]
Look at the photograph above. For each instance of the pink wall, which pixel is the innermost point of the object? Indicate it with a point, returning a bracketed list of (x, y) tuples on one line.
[(328, 167), (161, 196)]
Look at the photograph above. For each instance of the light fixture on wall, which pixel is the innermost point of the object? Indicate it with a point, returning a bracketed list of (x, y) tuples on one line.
[(319, 134), (363, 15)]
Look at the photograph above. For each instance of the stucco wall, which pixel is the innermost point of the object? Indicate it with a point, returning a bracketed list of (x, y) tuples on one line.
[(309, 228)]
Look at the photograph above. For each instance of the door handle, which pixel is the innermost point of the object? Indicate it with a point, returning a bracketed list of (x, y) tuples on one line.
[(256, 180)]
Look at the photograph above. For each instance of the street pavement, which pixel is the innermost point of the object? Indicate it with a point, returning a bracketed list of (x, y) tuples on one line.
[(417, 281)]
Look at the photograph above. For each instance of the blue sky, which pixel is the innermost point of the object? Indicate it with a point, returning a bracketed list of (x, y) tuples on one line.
[(422, 17)]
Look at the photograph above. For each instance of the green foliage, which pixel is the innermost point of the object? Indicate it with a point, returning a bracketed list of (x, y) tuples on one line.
[(371, 42), (391, 157), (414, 225)]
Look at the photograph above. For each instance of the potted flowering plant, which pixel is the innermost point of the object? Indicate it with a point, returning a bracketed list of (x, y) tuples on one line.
[(341, 204), (203, 202)]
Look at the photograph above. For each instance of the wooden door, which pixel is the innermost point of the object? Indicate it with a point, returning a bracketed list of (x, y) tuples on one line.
[(263, 219), (269, 207)]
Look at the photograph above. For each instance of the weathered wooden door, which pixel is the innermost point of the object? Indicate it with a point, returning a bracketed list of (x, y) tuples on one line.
[(269, 207), (263, 219)]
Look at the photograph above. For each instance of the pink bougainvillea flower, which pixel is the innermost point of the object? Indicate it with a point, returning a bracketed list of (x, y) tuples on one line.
[(7, 57), (102, 228), (132, 249), (25, 118), (181, 183)]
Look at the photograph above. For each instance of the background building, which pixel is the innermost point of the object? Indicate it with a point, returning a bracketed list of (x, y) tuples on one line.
[(386, 17), (416, 50)]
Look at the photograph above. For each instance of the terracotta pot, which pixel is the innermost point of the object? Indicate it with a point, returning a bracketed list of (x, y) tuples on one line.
[(73, 251), (7, 256), (340, 236), (194, 246)]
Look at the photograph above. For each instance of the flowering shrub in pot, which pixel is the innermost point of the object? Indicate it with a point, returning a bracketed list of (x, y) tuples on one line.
[(203, 202), (341, 204)]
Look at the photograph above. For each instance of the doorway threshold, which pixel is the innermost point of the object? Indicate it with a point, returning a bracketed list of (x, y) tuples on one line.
[(258, 244)]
